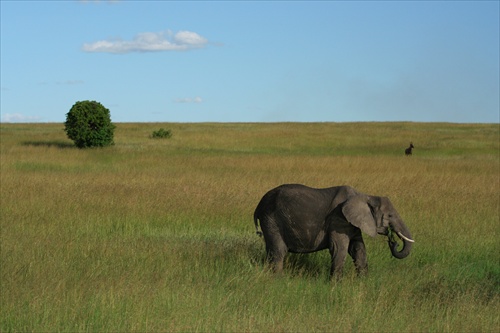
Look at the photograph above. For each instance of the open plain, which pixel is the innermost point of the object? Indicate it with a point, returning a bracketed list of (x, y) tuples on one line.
[(157, 235)]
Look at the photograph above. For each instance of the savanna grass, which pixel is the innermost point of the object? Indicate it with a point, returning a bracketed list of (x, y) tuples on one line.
[(157, 235)]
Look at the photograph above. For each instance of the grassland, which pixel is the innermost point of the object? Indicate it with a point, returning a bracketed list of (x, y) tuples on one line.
[(157, 235)]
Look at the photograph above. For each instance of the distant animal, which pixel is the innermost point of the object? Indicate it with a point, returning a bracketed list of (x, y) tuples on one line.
[(408, 150), (300, 219)]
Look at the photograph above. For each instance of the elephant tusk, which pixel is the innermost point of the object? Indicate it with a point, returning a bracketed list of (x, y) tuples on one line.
[(405, 238)]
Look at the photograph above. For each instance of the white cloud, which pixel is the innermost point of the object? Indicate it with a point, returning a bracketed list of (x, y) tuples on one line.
[(18, 118), (150, 42), (196, 100), (189, 38), (70, 82)]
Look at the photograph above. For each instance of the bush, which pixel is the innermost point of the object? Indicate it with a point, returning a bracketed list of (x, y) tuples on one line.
[(161, 134), (88, 124)]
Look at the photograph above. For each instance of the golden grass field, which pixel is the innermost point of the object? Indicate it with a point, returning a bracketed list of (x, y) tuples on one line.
[(155, 235)]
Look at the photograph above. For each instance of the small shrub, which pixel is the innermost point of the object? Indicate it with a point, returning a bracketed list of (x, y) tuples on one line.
[(161, 134), (88, 124)]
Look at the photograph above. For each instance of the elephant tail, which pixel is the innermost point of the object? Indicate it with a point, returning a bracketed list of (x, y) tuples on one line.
[(256, 222)]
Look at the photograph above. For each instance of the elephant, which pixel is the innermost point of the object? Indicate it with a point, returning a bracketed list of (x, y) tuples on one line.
[(299, 219)]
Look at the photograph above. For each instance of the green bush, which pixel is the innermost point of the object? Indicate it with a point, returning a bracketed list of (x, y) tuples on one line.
[(161, 134), (88, 124)]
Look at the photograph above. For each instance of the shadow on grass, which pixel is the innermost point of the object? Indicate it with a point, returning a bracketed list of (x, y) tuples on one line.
[(57, 144), (241, 251), (313, 265)]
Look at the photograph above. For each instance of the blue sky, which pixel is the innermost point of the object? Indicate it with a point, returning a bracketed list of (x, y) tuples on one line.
[(256, 61)]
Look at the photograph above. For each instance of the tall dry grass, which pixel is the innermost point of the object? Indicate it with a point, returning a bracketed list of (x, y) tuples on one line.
[(157, 235)]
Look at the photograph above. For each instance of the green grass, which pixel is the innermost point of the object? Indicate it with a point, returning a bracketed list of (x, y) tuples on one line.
[(157, 235)]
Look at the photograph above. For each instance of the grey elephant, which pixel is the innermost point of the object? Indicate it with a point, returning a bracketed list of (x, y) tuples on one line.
[(300, 219)]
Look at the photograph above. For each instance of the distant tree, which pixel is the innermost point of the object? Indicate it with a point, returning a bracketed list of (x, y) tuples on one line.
[(161, 134), (88, 124)]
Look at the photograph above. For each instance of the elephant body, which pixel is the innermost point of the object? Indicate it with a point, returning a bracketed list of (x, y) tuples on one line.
[(300, 219)]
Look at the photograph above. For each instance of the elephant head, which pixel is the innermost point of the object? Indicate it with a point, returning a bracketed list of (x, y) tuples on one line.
[(376, 215)]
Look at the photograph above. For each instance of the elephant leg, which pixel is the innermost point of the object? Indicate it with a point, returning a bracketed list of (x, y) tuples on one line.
[(276, 250), (338, 251), (357, 251)]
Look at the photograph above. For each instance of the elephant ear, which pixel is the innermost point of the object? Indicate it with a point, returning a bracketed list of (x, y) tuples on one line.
[(358, 213)]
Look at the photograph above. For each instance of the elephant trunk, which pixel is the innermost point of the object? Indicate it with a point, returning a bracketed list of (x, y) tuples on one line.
[(405, 236)]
